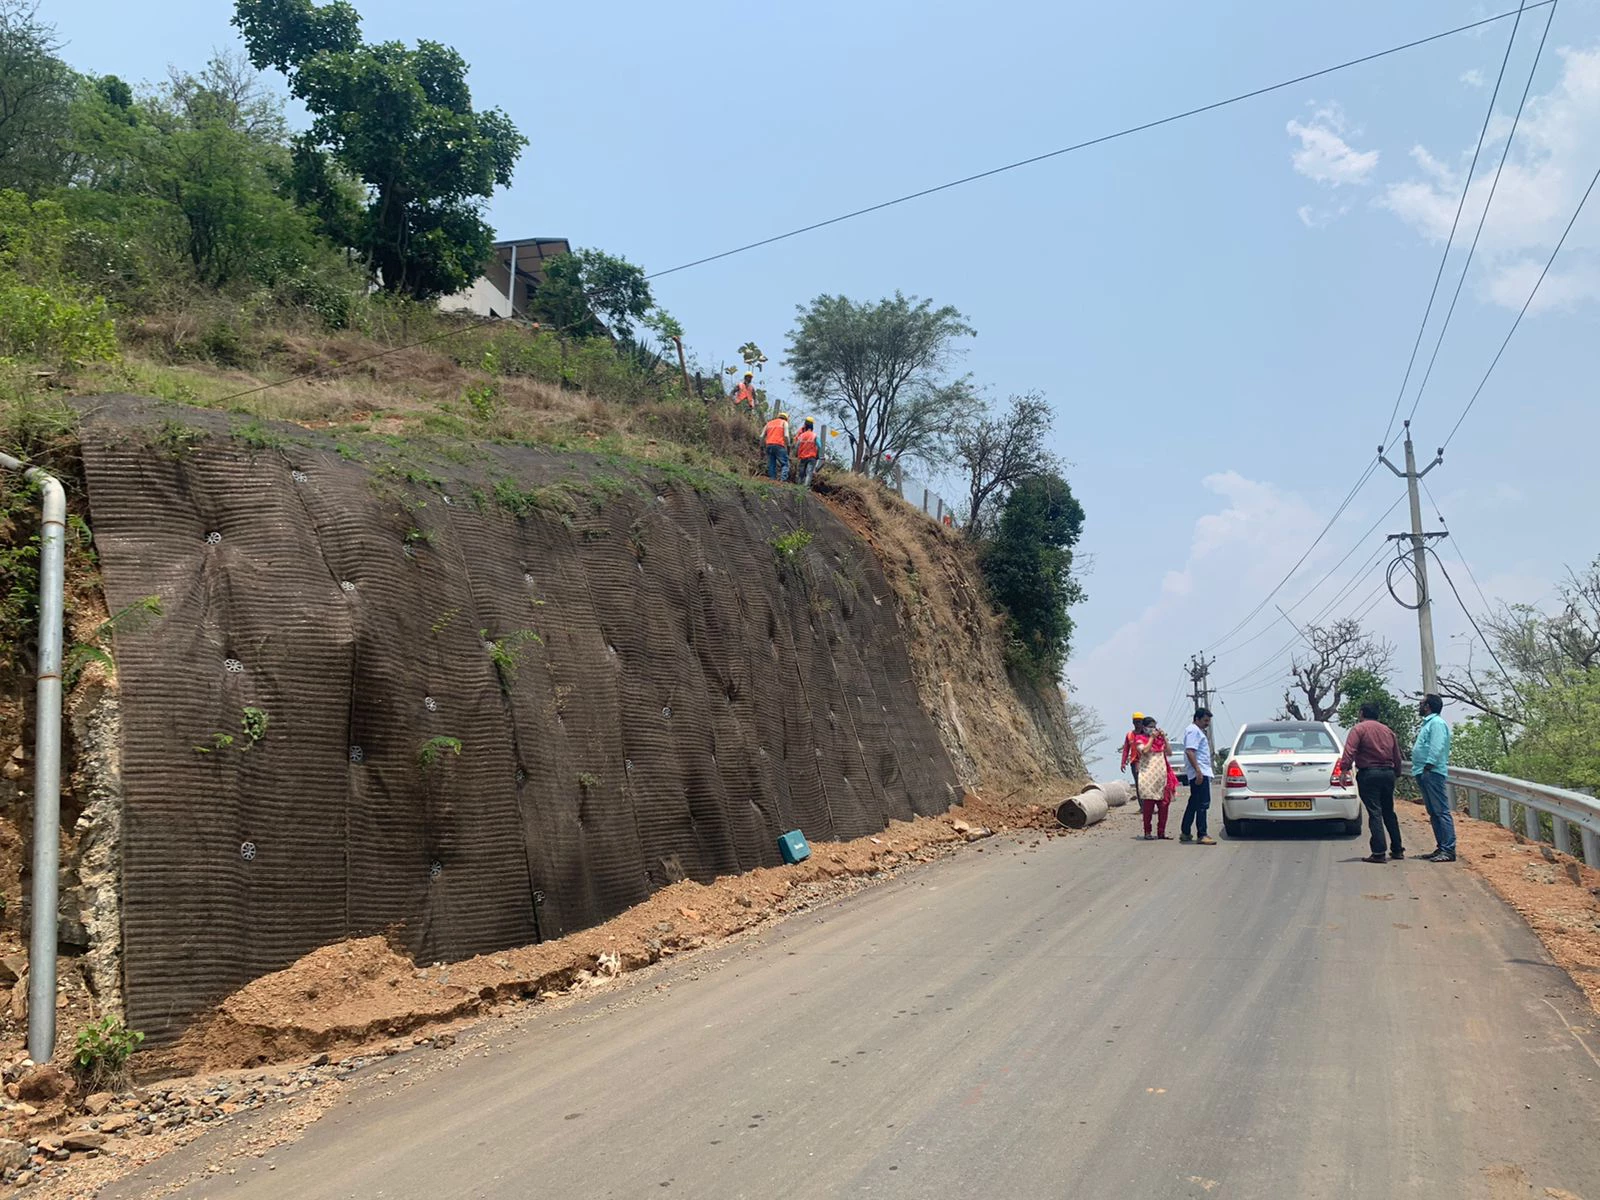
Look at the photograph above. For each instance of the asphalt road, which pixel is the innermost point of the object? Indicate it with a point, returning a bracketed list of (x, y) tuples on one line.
[(1095, 1017)]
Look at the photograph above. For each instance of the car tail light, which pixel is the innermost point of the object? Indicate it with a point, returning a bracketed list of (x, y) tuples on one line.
[(1235, 776), (1339, 778)]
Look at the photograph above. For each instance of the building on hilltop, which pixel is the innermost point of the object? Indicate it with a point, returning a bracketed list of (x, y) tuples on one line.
[(509, 281)]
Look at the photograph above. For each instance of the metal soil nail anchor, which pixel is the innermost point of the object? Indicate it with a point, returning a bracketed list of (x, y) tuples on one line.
[(356, 754), (429, 703), (346, 585), (232, 665), (298, 476), (213, 538), (435, 869), (247, 851)]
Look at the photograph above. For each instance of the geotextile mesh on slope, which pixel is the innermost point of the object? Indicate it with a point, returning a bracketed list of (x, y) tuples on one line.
[(482, 727)]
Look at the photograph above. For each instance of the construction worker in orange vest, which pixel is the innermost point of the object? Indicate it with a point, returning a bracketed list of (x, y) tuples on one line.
[(775, 440), (745, 393), (805, 452)]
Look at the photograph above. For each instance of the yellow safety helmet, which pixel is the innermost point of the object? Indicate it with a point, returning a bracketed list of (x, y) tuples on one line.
[(1138, 716), (748, 373), (783, 416)]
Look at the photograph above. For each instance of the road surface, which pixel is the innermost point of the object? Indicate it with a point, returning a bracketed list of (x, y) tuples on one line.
[(1096, 1016)]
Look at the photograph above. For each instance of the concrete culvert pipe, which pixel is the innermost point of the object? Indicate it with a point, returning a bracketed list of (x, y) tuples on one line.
[(1081, 811), (1117, 792)]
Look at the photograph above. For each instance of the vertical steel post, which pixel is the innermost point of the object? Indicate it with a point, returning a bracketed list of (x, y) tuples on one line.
[(46, 764), (1505, 813), (1563, 834), (511, 283)]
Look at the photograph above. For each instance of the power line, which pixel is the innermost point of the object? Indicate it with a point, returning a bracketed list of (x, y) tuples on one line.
[(1267, 599), (1467, 612), (1102, 139), (1484, 215), (1273, 660), (1460, 553), (1445, 257), (1482, 383)]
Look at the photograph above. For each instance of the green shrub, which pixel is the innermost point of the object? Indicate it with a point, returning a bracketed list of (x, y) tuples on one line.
[(789, 545), (101, 1054), (54, 328), (435, 748)]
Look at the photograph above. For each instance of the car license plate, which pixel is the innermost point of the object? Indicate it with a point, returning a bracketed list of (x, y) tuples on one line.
[(1288, 806)]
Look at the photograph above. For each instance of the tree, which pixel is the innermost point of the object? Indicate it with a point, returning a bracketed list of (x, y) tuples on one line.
[(400, 120), (1538, 705), (1028, 567), (1088, 727), (1000, 450), (36, 92), (1478, 743), (881, 370), (1318, 677), (1532, 650), (1361, 686), (198, 166), (580, 288)]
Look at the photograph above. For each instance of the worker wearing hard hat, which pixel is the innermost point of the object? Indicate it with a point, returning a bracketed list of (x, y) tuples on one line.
[(1129, 753), (744, 394), (775, 442), (805, 452)]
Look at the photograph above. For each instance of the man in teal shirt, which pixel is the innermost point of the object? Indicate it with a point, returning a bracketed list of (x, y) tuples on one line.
[(1430, 761)]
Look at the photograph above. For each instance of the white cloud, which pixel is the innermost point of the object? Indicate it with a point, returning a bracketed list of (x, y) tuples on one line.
[(1320, 218), (1512, 282), (1473, 78), (1551, 161), (1324, 156)]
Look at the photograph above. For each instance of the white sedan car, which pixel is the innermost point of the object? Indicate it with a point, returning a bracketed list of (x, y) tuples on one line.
[(1288, 771)]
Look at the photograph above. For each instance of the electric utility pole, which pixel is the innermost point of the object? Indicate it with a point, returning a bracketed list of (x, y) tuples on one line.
[(1199, 677), (1419, 556)]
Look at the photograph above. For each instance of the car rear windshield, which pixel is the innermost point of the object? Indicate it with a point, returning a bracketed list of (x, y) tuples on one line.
[(1279, 741)]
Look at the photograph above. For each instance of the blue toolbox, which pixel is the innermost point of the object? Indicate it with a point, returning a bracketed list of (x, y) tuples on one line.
[(792, 846)]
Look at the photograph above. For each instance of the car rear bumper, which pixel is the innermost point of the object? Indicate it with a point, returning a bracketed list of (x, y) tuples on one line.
[(1250, 807)]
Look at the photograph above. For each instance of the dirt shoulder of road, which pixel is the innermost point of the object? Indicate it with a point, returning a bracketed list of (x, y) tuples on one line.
[(1556, 894), (288, 1039)]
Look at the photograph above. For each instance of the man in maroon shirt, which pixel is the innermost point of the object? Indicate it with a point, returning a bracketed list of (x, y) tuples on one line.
[(1373, 749)]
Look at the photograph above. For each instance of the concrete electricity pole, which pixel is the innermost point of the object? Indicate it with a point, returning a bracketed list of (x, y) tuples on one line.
[(1199, 669), (1419, 556)]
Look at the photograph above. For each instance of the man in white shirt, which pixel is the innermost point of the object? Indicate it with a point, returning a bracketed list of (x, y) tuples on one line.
[(1197, 751)]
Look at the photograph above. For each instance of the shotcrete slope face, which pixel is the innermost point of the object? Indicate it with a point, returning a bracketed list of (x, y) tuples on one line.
[(480, 729)]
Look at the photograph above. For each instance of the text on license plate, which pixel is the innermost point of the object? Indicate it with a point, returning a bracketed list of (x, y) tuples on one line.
[(1288, 806)]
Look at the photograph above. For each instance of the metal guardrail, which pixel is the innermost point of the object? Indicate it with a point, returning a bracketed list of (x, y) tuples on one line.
[(1566, 809)]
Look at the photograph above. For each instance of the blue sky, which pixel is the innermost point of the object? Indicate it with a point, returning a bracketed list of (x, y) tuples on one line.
[(1220, 310)]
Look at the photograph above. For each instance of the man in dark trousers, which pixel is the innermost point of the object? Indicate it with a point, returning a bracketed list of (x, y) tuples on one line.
[(1375, 751)]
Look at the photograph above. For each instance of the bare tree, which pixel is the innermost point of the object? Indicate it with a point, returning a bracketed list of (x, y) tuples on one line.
[(1088, 729), (1532, 651), (1317, 677), (1000, 450)]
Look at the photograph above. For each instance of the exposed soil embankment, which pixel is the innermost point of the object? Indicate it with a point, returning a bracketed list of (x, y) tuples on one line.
[(1556, 894), (1007, 735)]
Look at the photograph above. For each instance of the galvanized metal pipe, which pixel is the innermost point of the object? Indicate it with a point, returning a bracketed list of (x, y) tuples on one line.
[(46, 762)]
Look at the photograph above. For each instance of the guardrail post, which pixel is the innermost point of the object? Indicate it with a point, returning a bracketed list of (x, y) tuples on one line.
[(1591, 849), (1505, 812), (1530, 823), (1475, 804), (1563, 834)]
